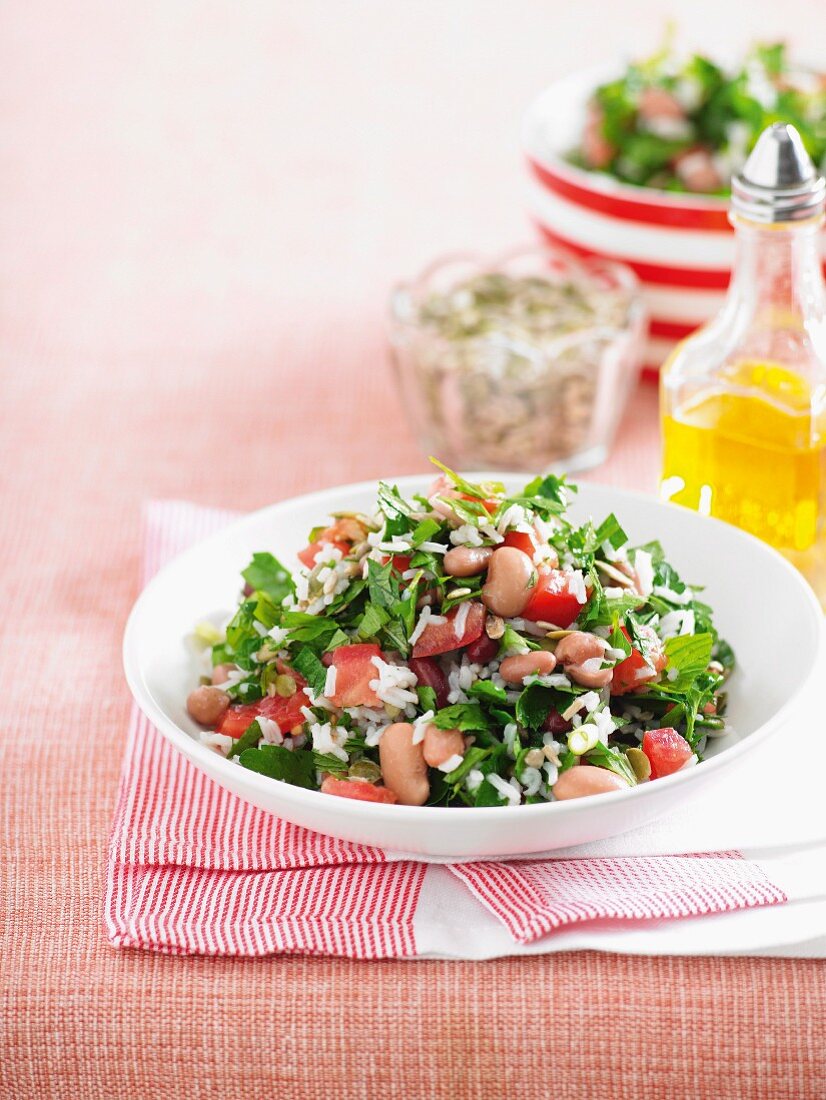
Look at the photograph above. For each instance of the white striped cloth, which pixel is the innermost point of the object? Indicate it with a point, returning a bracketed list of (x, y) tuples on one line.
[(193, 869)]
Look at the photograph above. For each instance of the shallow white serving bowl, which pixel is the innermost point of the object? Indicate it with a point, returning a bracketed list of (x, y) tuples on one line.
[(763, 607)]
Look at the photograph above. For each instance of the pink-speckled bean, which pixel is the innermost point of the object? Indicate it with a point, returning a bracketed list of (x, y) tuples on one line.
[(585, 779)]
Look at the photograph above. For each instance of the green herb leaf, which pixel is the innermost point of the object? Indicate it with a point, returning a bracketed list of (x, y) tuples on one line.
[(267, 611), (462, 716), (549, 489), (487, 795), (427, 698), (492, 693), (614, 760), (472, 759), (479, 492), (326, 762), (339, 638), (611, 532), (396, 637), (306, 662), (265, 573), (511, 643), (534, 705), (689, 655), (392, 503), (372, 621), (308, 628), (248, 740), (471, 511), (382, 585), (425, 531), (294, 766), (618, 639)]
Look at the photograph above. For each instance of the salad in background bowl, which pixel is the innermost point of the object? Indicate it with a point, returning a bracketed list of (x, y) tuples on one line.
[(687, 125), (633, 165)]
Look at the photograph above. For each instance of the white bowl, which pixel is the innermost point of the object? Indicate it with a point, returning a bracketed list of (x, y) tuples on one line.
[(762, 606)]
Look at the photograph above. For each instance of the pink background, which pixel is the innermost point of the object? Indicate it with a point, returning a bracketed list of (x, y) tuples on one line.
[(202, 208)]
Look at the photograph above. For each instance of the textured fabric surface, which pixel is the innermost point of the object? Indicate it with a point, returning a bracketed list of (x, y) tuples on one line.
[(194, 869), (202, 208), (535, 897)]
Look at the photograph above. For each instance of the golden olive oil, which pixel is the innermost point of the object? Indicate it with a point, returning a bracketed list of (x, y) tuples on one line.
[(754, 459)]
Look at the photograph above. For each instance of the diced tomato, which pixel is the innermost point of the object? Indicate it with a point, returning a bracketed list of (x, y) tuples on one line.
[(632, 673), (359, 789), (552, 601), (556, 724), (521, 540), (598, 151), (307, 555), (441, 637), (401, 562), (429, 674), (354, 671), (286, 712), (481, 651), (490, 506), (666, 750)]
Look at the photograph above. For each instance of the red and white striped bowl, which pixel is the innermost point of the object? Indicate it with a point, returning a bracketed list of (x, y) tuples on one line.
[(680, 246)]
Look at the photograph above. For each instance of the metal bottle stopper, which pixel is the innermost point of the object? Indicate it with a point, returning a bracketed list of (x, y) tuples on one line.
[(778, 183)]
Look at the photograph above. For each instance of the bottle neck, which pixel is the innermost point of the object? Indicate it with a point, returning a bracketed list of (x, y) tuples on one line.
[(778, 270)]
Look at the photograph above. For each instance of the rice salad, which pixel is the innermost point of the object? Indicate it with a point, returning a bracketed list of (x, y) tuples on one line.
[(464, 647)]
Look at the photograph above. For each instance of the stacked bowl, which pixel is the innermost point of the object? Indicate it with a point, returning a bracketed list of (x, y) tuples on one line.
[(681, 246)]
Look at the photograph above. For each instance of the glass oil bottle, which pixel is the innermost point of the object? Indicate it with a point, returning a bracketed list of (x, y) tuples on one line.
[(743, 400)]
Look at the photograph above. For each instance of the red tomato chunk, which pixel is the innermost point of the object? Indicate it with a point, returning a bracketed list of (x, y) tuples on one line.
[(359, 789), (632, 673), (521, 540), (551, 601), (354, 671), (666, 750), (307, 555), (286, 712), (442, 638)]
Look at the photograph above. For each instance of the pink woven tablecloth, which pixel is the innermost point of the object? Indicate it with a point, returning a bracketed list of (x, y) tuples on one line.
[(201, 209)]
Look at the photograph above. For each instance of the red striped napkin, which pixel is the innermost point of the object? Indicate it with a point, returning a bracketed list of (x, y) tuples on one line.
[(192, 868)]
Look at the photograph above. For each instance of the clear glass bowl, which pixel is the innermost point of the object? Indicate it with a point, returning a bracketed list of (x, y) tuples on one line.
[(525, 363)]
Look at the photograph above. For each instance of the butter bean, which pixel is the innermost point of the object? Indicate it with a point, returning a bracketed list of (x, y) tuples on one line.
[(403, 766), (581, 654), (584, 779), (440, 745), (513, 670), (467, 561), (207, 704), (510, 581)]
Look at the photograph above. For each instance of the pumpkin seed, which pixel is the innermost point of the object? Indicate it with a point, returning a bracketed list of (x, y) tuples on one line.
[(365, 769), (640, 763), (285, 686)]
